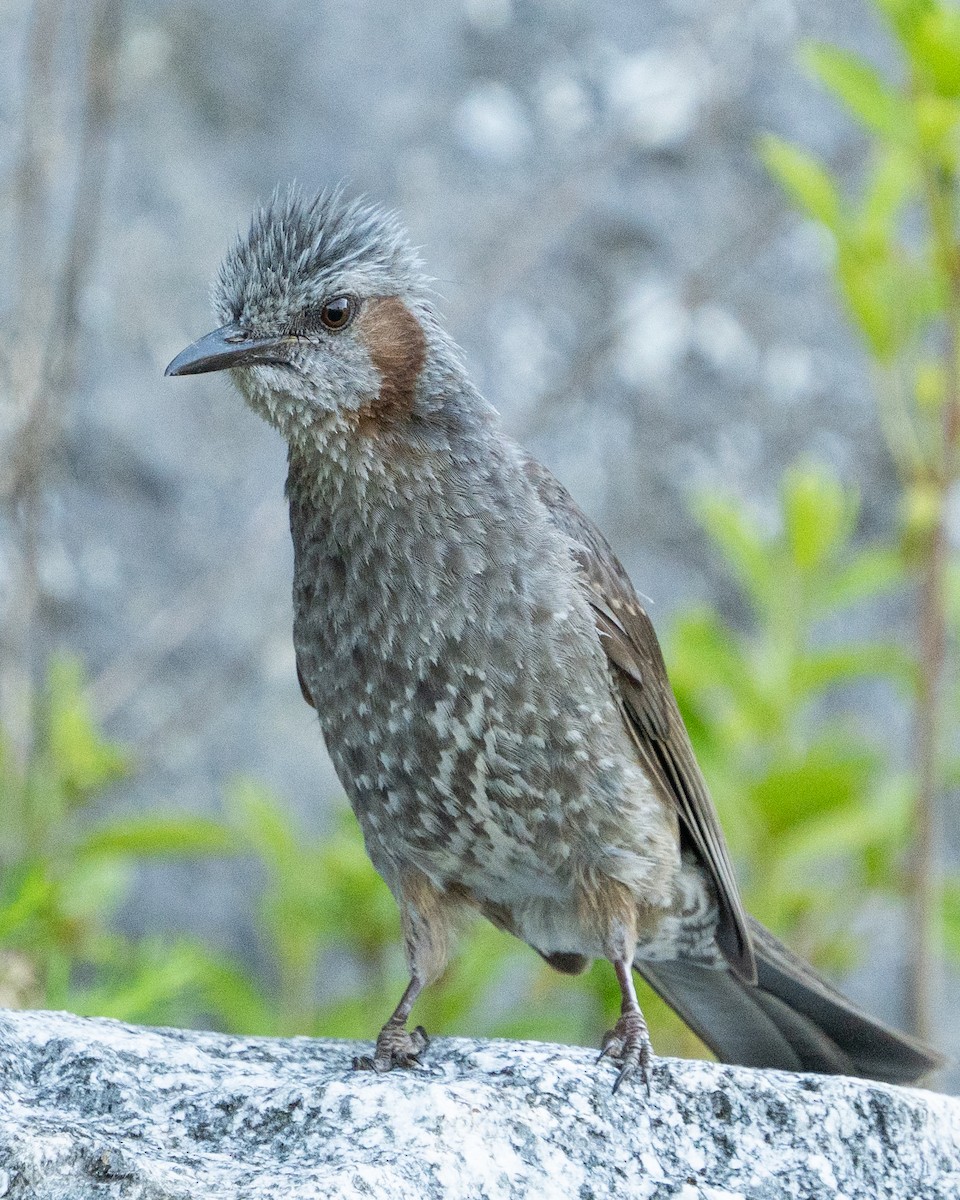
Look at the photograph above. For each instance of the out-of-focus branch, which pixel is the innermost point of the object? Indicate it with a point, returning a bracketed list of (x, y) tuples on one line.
[(57, 367), (923, 879), (48, 322), (32, 184), (98, 119)]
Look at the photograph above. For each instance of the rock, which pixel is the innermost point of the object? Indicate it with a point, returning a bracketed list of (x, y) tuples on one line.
[(95, 1109)]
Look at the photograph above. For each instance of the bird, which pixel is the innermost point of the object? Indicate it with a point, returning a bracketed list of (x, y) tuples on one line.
[(490, 689)]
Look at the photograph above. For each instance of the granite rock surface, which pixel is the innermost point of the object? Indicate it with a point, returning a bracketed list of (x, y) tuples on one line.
[(95, 1109)]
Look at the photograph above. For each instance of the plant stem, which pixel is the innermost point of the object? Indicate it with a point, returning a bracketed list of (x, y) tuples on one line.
[(922, 892), (923, 880)]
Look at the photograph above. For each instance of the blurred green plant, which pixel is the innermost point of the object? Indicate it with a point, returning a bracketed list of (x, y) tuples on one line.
[(61, 877), (811, 797), (897, 265)]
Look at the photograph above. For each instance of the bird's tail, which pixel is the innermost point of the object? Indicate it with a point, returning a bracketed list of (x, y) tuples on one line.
[(790, 1019)]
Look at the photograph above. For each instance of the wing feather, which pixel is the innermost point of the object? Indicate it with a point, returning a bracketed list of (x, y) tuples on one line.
[(650, 709)]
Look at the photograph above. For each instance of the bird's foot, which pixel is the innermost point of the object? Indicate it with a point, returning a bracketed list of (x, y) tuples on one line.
[(628, 1043), (396, 1047)]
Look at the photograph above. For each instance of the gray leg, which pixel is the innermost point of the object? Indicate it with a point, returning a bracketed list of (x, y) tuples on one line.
[(396, 1047), (628, 1043)]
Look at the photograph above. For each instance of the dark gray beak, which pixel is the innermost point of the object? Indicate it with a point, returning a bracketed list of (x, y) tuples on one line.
[(224, 348)]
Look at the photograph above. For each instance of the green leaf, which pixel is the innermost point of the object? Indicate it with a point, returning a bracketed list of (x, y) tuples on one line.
[(716, 685), (935, 49), (952, 588), (161, 837), (904, 15), (864, 287), (867, 574), (889, 296), (159, 974), (89, 892), (351, 885), (930, 386), (824, 669), (862, 89), (238, 1002), (742, 543), (703, 651), (819, 515), (81, 761), (32, 897), (893, 178), (262, 822), (871, 832), (829, 777), (951, 915), (938, 123), (805, 180)]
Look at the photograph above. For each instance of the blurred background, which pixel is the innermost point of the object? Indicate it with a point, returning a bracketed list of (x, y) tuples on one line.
[(701, 254)]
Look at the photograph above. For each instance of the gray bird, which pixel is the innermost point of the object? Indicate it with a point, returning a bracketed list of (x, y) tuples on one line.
[(490, 689)]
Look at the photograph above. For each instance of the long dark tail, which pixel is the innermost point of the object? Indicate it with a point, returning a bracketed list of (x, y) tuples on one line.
[(791, 1019)]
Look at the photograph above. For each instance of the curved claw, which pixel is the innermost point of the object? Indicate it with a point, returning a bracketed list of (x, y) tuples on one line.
[(628, 1044), (396, 1047)]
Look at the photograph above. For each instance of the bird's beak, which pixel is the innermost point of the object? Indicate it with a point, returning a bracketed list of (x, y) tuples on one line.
[(226, 347)]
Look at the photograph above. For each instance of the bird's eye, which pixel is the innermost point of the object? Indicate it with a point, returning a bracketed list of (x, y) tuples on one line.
[(337, 313)]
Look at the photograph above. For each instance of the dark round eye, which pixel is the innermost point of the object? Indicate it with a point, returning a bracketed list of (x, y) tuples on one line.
[(337, 313)]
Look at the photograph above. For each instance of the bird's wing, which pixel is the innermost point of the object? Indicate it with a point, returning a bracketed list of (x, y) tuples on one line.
[(650, 709)]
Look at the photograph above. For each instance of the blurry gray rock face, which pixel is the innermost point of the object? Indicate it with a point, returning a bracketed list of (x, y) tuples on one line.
[(95, 1109), (629, 287)]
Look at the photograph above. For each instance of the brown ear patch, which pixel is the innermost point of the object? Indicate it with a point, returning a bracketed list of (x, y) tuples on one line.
[(398, 349)]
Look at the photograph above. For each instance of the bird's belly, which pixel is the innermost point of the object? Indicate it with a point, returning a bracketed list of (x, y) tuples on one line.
[(685, 928), (481, 742), (496, 795), (457, 811)]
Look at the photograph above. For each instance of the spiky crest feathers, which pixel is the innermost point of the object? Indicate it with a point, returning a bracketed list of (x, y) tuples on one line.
[(298, 248)]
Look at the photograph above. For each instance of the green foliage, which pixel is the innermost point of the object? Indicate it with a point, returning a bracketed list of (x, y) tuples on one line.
[(951, 916), (893, 285), (805, 179), (879, 107), (61, 878), (806, 797), (897, 256)]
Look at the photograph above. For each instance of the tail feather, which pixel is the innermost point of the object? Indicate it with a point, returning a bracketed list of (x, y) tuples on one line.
[(791, 1019)]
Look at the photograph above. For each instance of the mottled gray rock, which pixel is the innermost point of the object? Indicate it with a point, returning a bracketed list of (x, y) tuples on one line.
[(93, 1108)]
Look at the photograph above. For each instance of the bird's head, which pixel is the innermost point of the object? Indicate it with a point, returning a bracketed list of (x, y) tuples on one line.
[(326, 314)]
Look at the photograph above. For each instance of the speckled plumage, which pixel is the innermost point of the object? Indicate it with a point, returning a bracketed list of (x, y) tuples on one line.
[(462, 690), (488, 685)]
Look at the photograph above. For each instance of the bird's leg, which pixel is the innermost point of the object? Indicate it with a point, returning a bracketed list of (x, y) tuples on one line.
[(397, 1046), (628, 1042), (425, 913)]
